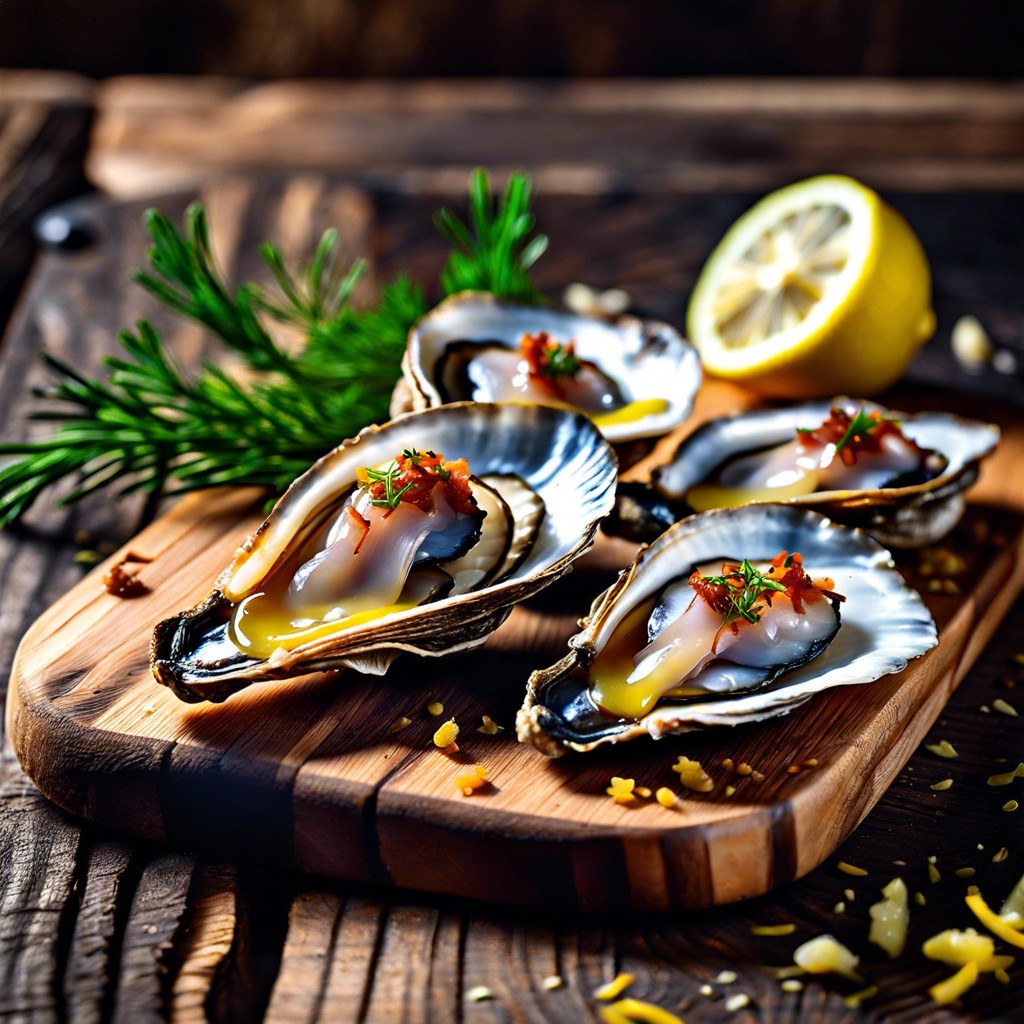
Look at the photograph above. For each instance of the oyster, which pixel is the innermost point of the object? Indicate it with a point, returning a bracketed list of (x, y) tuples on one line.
[(634, 378), (899, 476), (774, 655), (383, 547)]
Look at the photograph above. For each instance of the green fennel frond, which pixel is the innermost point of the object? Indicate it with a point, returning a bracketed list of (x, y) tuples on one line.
[(152, 427)]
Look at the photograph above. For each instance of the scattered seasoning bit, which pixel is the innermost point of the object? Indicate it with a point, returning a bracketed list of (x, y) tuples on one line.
[(621, 790), (743, 768), (479, 993), (850, 894), (964, 872), (985, 709), (919, 899), (933, 874), (730, 790), (149, 709), (981, 846), (900, 863), (727, 763), (772, 929), (638, 1010), (726, 977), (121, 583), (87, 557), (737, 1002), (941, 785), (824, 955), (1005, 778), (792, 985), (399, 724), (952, 988), (853, 1001), (435, 708), (839, 908), (810, 762), (490, 727), (706, 990), (469, 782), (993, 922), (970, 342), (643, 792), (1010, 806), (757, 777), (692, 775), (890, 919), (666, 797), (1004, 708), (551, 982), (942, 749), (850, 869), (972, 890), (444, 738), (1000, 855), (942, 586), (615, 987), (933, 859)]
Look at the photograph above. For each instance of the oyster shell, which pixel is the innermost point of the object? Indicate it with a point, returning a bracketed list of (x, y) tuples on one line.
[(527, 454), (909, 512), (884, 624), (644, 374)]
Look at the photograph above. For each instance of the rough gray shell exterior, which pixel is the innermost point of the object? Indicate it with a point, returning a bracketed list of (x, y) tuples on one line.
[(647, 358), (900, 517), (885, 624), (560, 454)]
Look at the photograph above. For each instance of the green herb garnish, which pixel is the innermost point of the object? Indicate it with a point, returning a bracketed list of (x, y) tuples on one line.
[(151, 427), (860, 424), (561, 361), (753, 584), (387, 478)]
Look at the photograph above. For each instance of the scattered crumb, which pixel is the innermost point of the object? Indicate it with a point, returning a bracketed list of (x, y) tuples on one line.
[(469, 782), (941, 785), (737, 1002), (621, 790), (919, 899), (615, 987), (730, 790), (444, 738), (792, 985), (666, 797), (850, 894), (1001, 855), (399, 724), (706, 990), (692, 775), (933, 874), (726, 977), (1003, 707), (435, 708), (964, 872), (552, 981), (850, 869), (1010, 805), (942, 749), (479, 993), (970, 342), (490, 727), (839, 908), (772, 929)]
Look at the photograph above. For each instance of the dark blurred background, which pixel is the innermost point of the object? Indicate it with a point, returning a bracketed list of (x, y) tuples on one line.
[(551, 38)]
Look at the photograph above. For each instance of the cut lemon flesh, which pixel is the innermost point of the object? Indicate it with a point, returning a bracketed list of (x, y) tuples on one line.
[(820, 287)]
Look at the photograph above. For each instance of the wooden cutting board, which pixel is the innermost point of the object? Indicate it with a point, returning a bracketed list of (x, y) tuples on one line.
[(308, 774)]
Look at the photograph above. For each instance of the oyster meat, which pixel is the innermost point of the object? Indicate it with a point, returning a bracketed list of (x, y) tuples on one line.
[(386, 546), (688, 638), (634, 378), (899, 476)]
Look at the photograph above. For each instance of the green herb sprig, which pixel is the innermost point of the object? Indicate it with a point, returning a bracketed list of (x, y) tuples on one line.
[(743, 599), (561, 362), (151, 427), (386, 477)]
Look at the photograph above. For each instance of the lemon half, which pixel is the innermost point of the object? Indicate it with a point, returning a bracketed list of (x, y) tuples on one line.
[(819, 288)]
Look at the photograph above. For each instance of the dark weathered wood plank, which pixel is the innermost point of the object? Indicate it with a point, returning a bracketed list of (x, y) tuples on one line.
[(586, 137)]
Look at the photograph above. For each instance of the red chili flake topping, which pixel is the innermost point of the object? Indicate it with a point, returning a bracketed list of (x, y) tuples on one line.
[(550, 361), (852, 435), (412, 477)]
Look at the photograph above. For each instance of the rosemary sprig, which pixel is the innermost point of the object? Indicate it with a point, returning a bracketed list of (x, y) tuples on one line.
[(744, 587), (151, 427)]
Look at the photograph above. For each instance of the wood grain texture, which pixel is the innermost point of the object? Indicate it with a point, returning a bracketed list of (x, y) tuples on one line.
[(74, 306), (588, 137)]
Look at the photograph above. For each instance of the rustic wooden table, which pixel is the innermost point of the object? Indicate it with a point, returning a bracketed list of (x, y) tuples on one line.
[(637, 181)]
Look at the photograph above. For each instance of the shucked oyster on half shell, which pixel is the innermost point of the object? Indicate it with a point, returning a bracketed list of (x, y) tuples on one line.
[(635, 378), (862, 623), (349, 570), (904, 494)]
